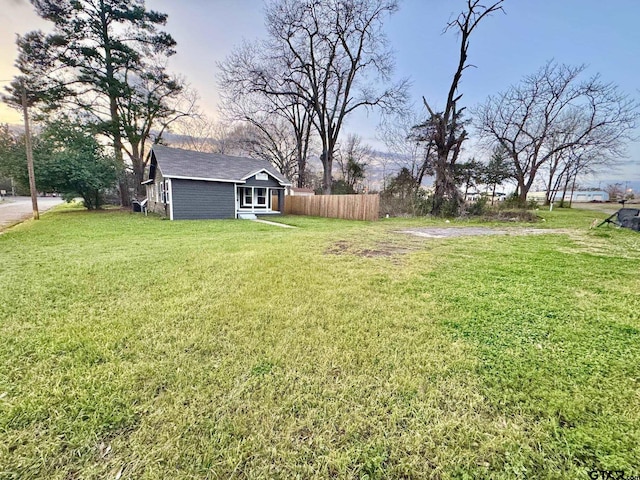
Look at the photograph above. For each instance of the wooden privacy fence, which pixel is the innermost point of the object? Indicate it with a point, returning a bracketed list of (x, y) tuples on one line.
[(347, 207)]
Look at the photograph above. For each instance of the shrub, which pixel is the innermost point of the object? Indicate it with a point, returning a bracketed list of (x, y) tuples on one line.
[(477, 208), (513, 202), (448, 208), (396, 205)]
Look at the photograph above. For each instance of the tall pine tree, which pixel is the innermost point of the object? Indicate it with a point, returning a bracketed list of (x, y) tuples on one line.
[(95, 46)]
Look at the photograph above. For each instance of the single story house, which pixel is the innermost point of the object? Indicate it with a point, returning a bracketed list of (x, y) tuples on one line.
[(190, 185)]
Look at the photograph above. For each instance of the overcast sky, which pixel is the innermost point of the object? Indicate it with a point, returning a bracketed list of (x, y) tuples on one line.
[(601, 34)]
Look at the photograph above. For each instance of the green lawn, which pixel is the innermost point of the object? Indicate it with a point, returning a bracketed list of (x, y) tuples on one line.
[(133, 347)]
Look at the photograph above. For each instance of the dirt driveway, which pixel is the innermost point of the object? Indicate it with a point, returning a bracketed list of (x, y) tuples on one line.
[(17, 209)]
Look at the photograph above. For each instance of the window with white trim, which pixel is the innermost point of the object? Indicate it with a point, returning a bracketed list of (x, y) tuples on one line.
[(247, 197), (254, 197), (261, 197), (167, 192), (162, 198)]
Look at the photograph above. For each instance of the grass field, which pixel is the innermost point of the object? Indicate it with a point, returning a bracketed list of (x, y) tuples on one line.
[(137, 348)]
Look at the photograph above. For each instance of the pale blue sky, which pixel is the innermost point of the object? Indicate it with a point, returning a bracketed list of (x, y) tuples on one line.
[(601, 34)]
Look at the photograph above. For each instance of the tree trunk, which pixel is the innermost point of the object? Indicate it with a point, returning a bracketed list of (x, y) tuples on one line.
[(29, 150), (552, 188), (302, 165), (327, 178), (445, 188), (123, 186), (138, 174), (125, 201), (564, 191), (573, 189), (302, 141), (138, 166), (548, 196), (523, 190)]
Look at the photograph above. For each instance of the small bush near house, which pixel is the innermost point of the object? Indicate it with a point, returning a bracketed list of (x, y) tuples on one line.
[(412, 204)]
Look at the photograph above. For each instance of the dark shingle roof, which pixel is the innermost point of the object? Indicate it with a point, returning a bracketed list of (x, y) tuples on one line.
[(176, 162)]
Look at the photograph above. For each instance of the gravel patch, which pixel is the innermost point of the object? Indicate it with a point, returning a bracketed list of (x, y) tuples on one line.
[(453, 232)]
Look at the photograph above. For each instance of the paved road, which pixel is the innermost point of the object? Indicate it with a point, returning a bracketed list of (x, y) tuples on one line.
[(17, 209)]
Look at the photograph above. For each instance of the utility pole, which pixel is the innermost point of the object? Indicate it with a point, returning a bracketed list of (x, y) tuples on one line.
[(27, 142)]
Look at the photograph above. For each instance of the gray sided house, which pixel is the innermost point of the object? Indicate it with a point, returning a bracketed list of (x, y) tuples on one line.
[(188, 185)]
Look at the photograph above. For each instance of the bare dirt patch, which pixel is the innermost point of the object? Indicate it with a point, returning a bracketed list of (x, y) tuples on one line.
[(380, 249)]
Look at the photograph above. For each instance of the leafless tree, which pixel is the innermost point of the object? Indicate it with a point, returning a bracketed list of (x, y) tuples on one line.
[(329, 57), (579, 162), (553, 115), (270, 140), (278, 118), (353, 158), (566, 166), (445, 130), (616, 191), (201, 133), (399, 136)]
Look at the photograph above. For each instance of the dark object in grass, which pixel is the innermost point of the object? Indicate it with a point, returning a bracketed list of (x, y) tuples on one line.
[(625, 218), (139, 206)]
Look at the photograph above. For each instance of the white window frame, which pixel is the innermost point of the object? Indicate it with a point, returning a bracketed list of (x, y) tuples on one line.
[(243, 197), (256, 197), (254, 205)]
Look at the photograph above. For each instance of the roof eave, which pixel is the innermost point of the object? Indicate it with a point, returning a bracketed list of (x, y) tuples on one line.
[(204, 179)]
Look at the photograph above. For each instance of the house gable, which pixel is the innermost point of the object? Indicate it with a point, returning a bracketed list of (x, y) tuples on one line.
[(155, 185), (262, 179)]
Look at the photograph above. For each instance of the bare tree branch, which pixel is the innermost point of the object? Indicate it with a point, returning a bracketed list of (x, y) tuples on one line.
[(553, 117), (325, 58)]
